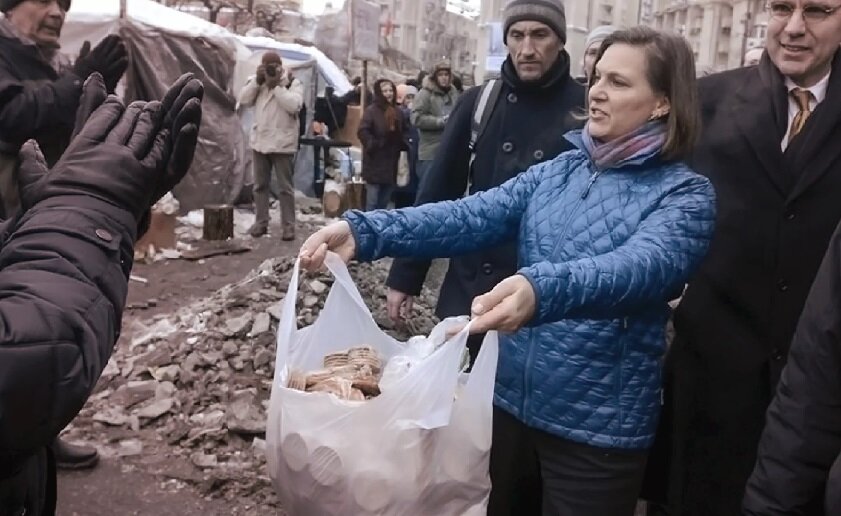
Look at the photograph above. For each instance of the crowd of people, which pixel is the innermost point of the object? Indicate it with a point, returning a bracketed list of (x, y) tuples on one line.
[(576, 205), (720, 193)]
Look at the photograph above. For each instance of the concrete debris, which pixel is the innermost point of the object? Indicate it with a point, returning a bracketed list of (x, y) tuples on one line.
[(245, 414), (203, 460), (156, 409), (130, 448), (200, 378), (238, 326), (111, 417), (132, 393), (262, 324), (317, 287)]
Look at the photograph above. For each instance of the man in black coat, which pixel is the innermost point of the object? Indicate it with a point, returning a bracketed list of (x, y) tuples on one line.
[(537, 104), (39, 92), (65, 261), (770, 145), (798, 471)]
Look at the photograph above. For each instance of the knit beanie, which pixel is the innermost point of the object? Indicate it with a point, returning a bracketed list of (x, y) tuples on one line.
[(550, 12), (598, 35), (8, 5)]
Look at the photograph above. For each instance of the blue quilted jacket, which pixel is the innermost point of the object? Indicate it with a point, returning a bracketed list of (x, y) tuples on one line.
[(605, 250)]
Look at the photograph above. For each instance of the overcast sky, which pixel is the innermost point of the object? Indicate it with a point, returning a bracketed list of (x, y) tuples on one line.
[(317, 6)]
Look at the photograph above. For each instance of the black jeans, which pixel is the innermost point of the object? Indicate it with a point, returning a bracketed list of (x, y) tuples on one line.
[(534, 473)]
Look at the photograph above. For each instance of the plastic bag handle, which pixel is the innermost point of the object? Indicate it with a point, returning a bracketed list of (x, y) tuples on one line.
[(288, 319), (482, 378)]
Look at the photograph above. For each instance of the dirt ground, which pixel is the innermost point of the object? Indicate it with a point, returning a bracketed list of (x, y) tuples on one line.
[(155, 483)]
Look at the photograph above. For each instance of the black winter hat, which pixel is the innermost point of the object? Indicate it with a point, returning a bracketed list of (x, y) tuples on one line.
[(8, 5), (550, 12)]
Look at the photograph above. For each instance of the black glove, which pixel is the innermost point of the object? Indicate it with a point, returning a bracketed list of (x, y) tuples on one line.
[(182, 107), (109, 58), (120, 155)]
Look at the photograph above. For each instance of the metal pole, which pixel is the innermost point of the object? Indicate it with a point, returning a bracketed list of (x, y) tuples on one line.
[(123, 9), (747, 29), (363, 95)]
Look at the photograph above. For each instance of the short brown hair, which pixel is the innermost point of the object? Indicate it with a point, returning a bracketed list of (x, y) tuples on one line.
[(671, 71)]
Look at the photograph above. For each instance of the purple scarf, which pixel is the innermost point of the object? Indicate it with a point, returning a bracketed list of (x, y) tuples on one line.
[(645, 140)]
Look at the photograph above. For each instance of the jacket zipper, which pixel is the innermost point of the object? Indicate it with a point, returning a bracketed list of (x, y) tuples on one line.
[(530, 358), (590, 183)]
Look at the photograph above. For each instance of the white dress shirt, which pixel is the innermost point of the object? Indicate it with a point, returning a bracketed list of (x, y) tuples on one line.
[(818, 92)]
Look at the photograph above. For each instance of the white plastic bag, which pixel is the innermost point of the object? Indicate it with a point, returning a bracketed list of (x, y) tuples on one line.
[(421, 448)]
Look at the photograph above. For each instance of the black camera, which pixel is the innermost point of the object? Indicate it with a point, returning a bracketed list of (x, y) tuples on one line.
[(271, 70)]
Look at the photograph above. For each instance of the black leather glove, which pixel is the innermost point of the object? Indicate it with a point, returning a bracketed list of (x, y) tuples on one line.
[(121, 155), (109, 58)]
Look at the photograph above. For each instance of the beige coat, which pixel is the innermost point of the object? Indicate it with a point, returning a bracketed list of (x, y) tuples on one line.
[(276, 111)]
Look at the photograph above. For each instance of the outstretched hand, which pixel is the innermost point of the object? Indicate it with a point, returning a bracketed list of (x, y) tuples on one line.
[(337, 237)]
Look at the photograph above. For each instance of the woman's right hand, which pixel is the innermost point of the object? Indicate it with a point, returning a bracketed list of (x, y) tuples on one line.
[(336, 237)]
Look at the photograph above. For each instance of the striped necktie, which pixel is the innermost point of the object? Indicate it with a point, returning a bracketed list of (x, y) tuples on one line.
[(802, 97)]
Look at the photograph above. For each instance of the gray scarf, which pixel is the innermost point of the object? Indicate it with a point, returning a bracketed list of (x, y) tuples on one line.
[(50, 55)]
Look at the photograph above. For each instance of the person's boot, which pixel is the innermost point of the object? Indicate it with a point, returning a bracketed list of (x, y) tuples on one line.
[(258, 230), (288, 234), (72, 456)]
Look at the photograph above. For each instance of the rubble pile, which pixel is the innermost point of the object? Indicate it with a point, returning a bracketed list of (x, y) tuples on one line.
[(200, 379)]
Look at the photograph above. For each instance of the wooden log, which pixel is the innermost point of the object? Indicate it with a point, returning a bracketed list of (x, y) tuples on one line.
[(218, 222), (334, 200), (332, 204), (356, 195)]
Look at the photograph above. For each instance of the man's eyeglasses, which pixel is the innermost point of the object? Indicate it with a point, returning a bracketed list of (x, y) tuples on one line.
[(811, 13)]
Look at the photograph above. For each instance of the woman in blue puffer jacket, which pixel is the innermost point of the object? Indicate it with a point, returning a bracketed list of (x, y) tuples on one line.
[(608, 234)]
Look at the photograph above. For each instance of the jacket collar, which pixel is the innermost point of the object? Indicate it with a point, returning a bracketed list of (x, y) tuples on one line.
[(649, 158), (49, 56), (558, 74)]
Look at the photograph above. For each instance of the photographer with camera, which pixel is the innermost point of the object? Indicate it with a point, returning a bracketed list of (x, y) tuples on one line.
[(277, 98)]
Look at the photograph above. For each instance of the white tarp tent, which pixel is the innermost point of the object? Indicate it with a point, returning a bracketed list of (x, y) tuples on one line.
[(164, 43)]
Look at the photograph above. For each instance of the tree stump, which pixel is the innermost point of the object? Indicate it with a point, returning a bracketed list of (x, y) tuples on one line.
[(333, 204), (218, 222), (356, 195)]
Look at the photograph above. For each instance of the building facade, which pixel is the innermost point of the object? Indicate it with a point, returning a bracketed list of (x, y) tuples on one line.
[(719, 31), (430, 31)]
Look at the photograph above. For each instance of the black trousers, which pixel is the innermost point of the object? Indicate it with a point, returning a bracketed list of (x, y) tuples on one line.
[(537, 474)]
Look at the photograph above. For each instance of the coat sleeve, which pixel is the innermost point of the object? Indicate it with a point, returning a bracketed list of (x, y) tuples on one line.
[(366, 133), (802, 436), (26, 110), (447, 228), (422, 115), (63, 282), (290, 98), (248, 94), (446, 180), (668, 245)]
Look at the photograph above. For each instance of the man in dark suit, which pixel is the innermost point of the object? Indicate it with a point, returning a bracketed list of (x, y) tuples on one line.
[(772, 148)]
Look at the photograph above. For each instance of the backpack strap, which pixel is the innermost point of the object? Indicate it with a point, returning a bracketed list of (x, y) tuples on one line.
[(482, 110)]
